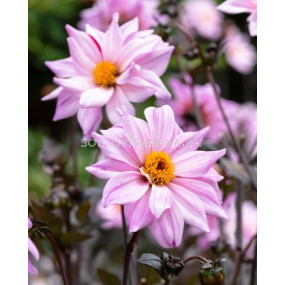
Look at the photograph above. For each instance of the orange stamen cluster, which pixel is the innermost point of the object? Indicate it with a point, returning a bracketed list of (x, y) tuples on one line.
[(159, 167), (104, 74)]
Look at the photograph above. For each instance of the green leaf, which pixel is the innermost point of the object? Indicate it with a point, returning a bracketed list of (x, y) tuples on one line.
[(45, 215), (83, 211), (236, 170), (151, 260), (164, 255), (154, 262), (107, 278)]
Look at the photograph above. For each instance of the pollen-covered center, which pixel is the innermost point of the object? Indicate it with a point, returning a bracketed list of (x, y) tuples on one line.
[(104, 74), (158, 167)]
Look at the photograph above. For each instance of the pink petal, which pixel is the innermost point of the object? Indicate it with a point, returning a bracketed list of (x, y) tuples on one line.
[(252, 19), (54, 94), (129, 27), (138, 90), (138, 214), (161, 124), (78, 83), (114, 144), (116, 103), (214, 175), (83, 65), (31, 268), (196, 163), (32, 249), (168, 229), (96, 97), (138, 133), (152, 78), (113, 41), (67, 105), (62, 67), (156, 61), (89, 120), (97, 36), (124, 188), (134, 48), (214, 185), (188, 141), (85, 43), (191, 207), (208, 196), (108, 168), (161, 199), (237, 6), (127, 75), (30, 224)]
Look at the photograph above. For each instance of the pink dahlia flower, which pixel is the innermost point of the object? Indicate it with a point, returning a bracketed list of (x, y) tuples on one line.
[(249, 224), (100, 15), (111, 215), (242, 6), (34, 251), (246, 124), (155, 170), (204, 18), (184, 108), (112, 69), (240, 54)]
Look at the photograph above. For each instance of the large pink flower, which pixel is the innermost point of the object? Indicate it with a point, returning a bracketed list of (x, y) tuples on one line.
[(249, 224), (155, 170), (242, 6), (33, 250), (184, 108), (100, 14), (204, 18), (112, 69), (240, 54)]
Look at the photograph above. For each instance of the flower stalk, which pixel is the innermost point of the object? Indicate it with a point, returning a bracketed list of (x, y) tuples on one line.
[(128, 254), (57, 255), (240, 258)]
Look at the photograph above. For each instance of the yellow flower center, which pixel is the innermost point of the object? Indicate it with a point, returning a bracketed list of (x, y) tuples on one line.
[(158, 168), (104, 74)]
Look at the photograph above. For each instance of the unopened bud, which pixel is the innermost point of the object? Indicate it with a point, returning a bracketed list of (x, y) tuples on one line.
[(191, 53), (212, 276)]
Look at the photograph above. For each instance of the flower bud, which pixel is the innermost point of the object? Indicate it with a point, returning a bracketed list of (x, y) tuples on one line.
[(212, 47), (212, 276), (191, 53), (173, 265)]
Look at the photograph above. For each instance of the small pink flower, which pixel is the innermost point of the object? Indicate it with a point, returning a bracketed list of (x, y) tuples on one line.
[(100, 15), (34, 251), (249, 224), (240, 54), (155, 170), (184, 108), (245, 118), (204, 18), (112, 69), (242, 6), (111, 215)]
